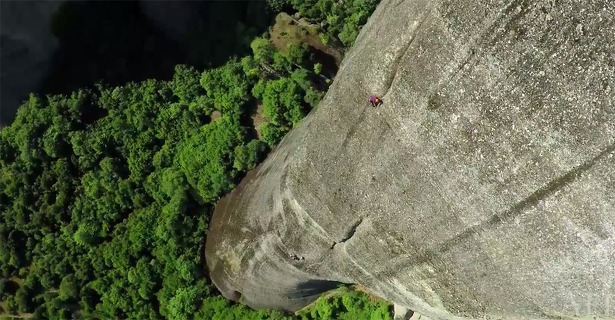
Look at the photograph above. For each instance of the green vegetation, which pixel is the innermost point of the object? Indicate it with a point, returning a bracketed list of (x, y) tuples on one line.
[(346, 304), (341, 19), (106, 192)]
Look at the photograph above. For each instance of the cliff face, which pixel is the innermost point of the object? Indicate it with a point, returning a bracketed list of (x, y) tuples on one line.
[(484, 186)]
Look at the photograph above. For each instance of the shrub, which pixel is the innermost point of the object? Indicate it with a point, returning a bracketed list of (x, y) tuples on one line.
[(325, 38), (317, 68), (249, 155), (272, 134)]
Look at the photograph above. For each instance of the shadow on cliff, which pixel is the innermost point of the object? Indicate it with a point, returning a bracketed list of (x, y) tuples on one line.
[(313, 288)]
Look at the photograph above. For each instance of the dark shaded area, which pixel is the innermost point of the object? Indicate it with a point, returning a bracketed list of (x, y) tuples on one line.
[(329, 64), (112, 42), (225, 29), (26, 46), (116, 42), (313, 288), (7, 287), (247, 120)]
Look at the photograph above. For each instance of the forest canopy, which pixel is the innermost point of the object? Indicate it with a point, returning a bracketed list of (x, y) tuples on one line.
[(106, 192)]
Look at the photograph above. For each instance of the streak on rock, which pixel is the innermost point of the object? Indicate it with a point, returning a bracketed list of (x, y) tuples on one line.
[(486, 180)]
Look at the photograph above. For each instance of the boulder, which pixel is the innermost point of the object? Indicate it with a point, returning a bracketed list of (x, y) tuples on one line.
[(483, 186)]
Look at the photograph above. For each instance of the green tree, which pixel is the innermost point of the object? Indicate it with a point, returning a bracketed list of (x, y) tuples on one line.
[(227, 87), (262, 50), (296, 53), (249, 155), (347, 304), (106, 193), (325, 38), (11, 305), (313, 97), (250, 67), (186, 84), (317, 68), (277, 5), (272, 134), (88, 233), (23, 299), (184, 303), (206, 158), (282, 102), (68, 288)]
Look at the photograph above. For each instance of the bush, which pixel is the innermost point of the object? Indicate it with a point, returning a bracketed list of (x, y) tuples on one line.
[(11, 305), (248, 156), (325, 38), (296, 53), (317, 68), (347, 304), (272, 134), (24, 301)]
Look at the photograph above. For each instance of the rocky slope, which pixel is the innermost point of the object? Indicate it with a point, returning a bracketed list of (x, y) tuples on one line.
[(484, 186)]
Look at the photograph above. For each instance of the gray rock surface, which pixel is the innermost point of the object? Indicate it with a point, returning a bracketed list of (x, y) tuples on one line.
[(403, 313), (483, 187)]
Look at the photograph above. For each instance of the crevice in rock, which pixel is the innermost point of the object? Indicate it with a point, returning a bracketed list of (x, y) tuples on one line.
[(463, 63), (392, 75), (533, 199), (353, 129), (487, 38), (350, 233)]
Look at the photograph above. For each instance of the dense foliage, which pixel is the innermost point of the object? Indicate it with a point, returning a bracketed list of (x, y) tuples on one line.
[(346, 304), (341, 19), (105, 193)]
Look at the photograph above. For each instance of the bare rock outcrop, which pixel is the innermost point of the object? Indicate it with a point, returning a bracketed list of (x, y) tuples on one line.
[(483, 187)]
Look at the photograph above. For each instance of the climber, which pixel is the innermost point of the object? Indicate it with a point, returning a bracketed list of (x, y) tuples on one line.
[(295, 257), (375, 101)]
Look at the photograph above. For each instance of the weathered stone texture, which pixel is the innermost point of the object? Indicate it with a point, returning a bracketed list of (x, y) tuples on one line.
[(484, 186)]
